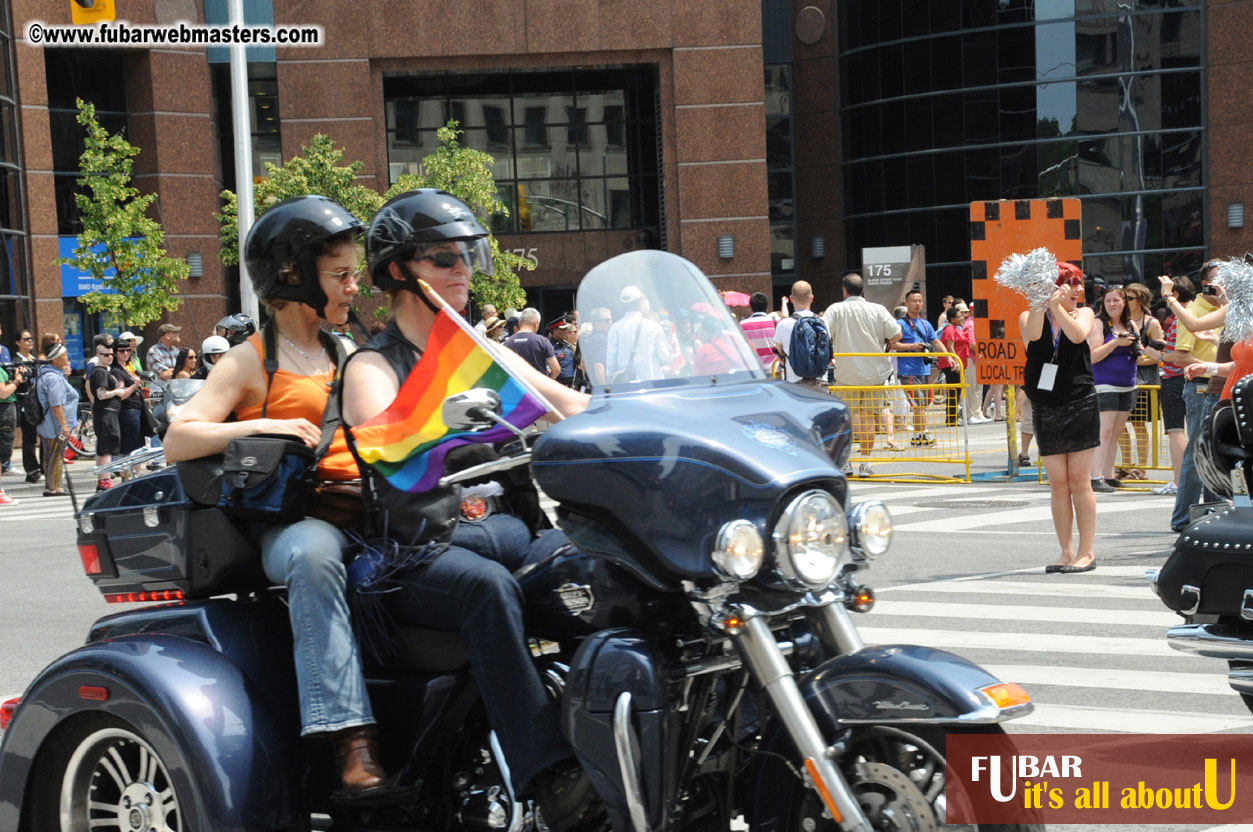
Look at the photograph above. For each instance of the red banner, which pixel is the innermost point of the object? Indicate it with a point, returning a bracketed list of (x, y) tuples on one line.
[(1099, 778)]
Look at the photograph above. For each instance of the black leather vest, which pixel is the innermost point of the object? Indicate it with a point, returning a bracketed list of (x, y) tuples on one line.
[(391, 512)]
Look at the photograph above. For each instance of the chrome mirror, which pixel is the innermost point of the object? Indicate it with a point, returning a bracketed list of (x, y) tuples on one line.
[(469, 410)]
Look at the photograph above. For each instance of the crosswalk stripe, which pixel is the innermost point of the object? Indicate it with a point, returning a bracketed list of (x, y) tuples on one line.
[(1022, 516), (1161, 619), (1083, 719), (1162, 681), (1060, 585), (862, 492), (1031, 642)]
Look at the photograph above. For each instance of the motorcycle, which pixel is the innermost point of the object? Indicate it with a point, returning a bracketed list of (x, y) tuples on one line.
[(1208, 578), (699, 632)]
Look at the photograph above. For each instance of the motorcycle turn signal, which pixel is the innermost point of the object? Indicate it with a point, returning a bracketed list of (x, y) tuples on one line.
[(860, 599)]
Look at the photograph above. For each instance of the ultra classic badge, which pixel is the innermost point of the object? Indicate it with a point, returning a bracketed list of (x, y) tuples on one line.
[(574, 598)]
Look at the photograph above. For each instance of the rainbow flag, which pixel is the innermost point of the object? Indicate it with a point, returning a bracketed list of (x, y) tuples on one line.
[(407, 442)]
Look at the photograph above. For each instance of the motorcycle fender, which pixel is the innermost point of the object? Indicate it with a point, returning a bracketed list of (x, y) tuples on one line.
[(606, 665), (902, 683), (221, 745)]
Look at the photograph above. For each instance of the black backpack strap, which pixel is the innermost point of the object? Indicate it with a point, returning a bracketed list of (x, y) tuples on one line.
[(270, 360), (332, 416)]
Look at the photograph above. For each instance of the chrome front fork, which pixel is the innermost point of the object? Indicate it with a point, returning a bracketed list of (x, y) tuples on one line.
[(766, 661)]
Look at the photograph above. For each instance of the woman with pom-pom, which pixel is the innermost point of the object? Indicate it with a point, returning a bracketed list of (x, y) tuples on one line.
[(1066, 414)]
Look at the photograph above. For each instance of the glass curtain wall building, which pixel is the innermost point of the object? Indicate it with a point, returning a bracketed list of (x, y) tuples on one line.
[(1014, 99)]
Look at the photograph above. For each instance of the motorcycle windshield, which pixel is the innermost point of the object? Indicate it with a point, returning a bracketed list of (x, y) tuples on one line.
[(652, 319)]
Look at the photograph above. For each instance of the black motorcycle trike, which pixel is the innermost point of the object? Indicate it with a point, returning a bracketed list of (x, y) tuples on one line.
[(698, 634)]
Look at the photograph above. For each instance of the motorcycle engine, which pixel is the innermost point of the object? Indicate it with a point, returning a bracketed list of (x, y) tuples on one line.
[(481, 793)]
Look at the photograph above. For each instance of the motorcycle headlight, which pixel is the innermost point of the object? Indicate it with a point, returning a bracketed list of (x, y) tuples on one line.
[(870, 529), (810, 541), (738, 550)]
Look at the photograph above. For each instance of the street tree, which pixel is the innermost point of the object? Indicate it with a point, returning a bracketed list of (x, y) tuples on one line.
[(120, 246)]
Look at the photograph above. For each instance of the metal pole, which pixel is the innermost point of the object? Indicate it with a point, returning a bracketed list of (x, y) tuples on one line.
[(243, 156)]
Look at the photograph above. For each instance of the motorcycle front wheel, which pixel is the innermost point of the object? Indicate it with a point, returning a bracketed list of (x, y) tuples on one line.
[(917, 752), (102, 774)]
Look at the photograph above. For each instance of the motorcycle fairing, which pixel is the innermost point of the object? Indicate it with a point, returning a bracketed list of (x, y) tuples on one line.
[(672, 464), (606, 665), (902, 683)]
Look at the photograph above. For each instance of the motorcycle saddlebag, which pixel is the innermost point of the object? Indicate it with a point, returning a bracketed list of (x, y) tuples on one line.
[(1215, 556), (154, 539)]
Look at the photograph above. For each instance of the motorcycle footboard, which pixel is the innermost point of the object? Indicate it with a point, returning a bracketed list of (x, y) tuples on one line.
[(905, 683)]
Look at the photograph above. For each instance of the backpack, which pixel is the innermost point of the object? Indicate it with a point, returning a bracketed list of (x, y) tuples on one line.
[(809, 350), (28, 404)]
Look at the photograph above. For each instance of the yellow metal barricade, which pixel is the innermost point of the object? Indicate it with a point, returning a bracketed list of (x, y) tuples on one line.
[(895, 425)]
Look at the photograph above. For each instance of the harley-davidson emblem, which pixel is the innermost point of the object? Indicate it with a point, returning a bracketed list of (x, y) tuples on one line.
[(889, 705), (248, 461), (771, 437), (575, 598)]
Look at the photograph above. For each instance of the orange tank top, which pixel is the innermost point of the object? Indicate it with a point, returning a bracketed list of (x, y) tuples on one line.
[(293, 396), (1242, 354)]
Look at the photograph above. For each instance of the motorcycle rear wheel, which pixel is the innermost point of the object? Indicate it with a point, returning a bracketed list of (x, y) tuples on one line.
[(104, 775)]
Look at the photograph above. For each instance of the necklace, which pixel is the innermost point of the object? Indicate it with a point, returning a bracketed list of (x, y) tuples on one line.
[(310, 358)]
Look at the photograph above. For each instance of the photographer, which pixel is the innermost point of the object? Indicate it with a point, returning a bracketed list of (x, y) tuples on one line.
[(1148, 352), (1196, 343), (1113, 342), (8, 416), (917, 336)]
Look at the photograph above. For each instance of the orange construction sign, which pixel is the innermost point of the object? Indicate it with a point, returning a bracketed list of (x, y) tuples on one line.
[(997, 230)]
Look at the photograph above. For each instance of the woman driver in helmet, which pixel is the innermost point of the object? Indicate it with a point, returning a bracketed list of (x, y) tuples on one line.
[(302, 257), (469, 587)]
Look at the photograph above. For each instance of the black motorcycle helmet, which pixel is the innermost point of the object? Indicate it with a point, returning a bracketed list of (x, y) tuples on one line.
[(293, 232), (1218, 450), (414, 219), (236, 328)]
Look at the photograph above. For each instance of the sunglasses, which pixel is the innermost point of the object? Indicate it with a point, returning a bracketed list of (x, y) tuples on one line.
[(123, 349), (357, 275), (104, 354), (445, 259), (27, 338)]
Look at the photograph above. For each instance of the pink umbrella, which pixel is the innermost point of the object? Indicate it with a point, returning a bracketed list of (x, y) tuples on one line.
[(735, 298)]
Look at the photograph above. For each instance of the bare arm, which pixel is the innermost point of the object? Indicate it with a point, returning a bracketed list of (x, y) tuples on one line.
[(1030, 326), (565, 400), (1101, 348), (554, 368), (1191, 322), (201, 428)]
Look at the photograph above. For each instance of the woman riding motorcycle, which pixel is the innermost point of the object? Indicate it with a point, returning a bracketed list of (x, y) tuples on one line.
[(469, 587), (302, 258)]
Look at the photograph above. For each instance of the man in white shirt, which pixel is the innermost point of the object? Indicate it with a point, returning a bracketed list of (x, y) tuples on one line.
[(637, 345), (489, 312), (857, 325), (802, 298)]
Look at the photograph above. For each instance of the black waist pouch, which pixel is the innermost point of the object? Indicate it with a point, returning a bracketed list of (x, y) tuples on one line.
[(267, 478)]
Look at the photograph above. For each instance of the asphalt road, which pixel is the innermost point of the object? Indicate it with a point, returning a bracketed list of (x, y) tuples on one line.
[(965, 573)]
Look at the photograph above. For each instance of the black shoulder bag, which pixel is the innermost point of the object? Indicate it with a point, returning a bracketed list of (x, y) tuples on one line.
[(269, 477)]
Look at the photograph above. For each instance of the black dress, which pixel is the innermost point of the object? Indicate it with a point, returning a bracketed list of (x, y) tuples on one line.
[(1067, 419)]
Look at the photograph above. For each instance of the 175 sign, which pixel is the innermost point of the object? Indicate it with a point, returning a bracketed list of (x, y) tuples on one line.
[(526, 252), (878, 269)]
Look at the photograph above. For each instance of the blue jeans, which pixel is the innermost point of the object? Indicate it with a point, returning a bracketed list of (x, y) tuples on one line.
[(132, 433), (475, 594), (306, 557), (1198, 407)]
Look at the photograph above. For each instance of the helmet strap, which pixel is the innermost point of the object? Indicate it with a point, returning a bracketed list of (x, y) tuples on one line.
[(311, 284), (410, 283)]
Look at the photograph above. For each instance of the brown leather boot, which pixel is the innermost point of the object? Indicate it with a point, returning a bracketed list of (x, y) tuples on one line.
[(357, 754)]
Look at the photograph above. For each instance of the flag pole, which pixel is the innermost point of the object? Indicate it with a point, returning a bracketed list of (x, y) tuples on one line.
[(492, 349)]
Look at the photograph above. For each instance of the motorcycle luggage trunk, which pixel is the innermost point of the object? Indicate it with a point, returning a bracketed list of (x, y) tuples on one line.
[(161, 538), (1214, 555)]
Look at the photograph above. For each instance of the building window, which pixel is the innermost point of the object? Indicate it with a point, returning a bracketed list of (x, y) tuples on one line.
[(780, 171), (1055, 98), (604, 175), (95, 76)]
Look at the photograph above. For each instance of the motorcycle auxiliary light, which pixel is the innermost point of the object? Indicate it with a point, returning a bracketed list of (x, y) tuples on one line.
[(810, 541), (870, 529), (860, 600), (738, 550), (1006, 694)]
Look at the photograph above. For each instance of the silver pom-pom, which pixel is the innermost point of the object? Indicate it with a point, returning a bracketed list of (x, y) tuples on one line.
[(1033, 275), (1236, 278)]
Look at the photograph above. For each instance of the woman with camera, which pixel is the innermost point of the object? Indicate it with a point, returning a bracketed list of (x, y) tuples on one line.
[(1148, 351), (1114, 343), (1058, 380)]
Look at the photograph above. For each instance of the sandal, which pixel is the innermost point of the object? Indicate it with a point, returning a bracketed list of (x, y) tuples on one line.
[(1136, 474), (1121, 474), (1024, 459), (891, 446)]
